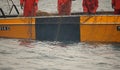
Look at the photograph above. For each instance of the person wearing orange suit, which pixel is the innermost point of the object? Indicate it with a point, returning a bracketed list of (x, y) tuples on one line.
[(64, 7), (116, 6), (30, 7), (90, 6)]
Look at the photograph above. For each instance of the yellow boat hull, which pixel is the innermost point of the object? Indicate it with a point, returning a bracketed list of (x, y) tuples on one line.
[(92, 28)]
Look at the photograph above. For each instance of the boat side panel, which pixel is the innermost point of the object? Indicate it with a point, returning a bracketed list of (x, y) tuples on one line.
[(17, 28), (100, 29), (58, 29)]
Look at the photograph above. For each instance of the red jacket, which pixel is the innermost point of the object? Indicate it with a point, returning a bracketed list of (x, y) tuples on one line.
[(116, 4), (64, 7), (90, 6), (30, 7)]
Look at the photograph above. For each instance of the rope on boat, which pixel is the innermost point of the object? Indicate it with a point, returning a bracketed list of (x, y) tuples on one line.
[(58, 29), (27, 42), (30, 28), (30, 23), (59, 26)]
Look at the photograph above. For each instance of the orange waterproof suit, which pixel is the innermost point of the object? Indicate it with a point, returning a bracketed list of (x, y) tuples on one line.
[(90, 6), (64, 7), (30, 7), (116, 6)]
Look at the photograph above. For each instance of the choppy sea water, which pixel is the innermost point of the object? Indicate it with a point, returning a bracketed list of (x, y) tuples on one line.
[(45, 56)]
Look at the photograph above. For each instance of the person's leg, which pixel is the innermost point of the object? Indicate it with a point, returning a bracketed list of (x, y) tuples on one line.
[(116, 11), (119, 11), (68, 8)]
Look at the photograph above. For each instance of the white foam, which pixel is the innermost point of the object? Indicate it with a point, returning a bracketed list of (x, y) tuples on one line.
[(44, 55)]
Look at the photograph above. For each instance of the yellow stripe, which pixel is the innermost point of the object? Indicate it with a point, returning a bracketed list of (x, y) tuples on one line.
[(17, 21), (100, 19)]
